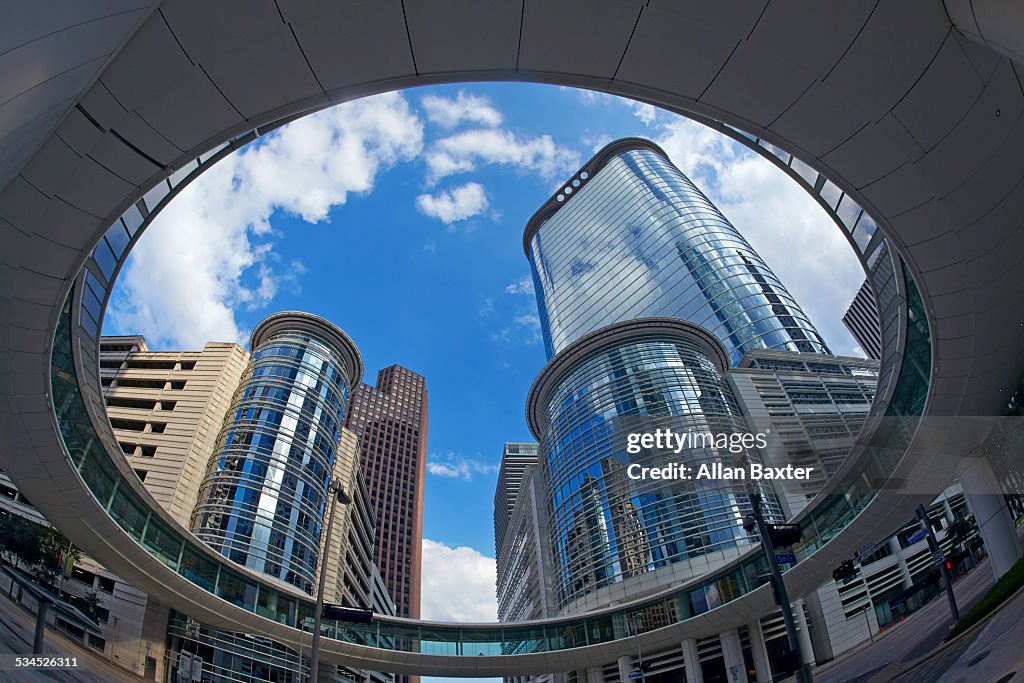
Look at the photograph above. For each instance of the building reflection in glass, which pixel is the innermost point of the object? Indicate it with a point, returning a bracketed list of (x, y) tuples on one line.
[(636, 377), (630, 236), (263, 499)]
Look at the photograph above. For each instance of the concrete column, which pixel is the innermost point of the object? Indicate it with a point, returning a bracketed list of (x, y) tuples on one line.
[(37, 643), (595, 674), (803, 632), (691, 658), (985, 499), (625, 668), (901, 560), (947, 511), (732, 653), (759, 652)]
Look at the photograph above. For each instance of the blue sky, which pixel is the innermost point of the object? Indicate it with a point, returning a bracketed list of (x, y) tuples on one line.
[(400, 219)]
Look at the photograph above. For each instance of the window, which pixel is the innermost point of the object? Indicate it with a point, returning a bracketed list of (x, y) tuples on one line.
[(141, 474), (151, 364), (177, 385), (130, 425), (102, 614), (148, 451), (106, 585), (97, 642), (63, 625), (135, 383), (139, 403), (79, 574), (188, 365)]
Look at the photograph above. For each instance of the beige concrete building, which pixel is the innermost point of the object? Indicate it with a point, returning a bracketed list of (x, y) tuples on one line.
[(166, 408)]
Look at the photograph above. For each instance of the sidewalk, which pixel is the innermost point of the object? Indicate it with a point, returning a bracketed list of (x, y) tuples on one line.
[(921, 632), (16, 630)]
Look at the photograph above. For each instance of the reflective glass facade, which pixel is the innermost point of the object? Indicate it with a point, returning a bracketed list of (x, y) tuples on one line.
[(632, 237), (607, 526), (262, 502), (94, 457)]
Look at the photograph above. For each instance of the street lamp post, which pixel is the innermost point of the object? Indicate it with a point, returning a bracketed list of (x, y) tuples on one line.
[(306, 621), (337, 495), (939, 558), (803, 672), (638, 623)]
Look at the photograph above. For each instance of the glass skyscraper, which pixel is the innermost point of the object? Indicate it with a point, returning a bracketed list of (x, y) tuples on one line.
[(263, 500), (630, 236), (637, 377), (647, 297)]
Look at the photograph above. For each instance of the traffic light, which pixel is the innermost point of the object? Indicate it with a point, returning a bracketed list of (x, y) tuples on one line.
[(784, 535), (844, 572)]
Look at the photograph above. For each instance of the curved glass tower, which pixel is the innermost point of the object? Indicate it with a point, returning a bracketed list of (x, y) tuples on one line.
[(263, 500), (629, 236), (608, 524)]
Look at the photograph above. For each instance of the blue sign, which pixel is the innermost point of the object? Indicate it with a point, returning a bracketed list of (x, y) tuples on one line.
[(917, 537), (785, 558), (634, 674)]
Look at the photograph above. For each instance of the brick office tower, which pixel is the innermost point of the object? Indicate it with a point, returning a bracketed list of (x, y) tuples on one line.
[(391, 421)]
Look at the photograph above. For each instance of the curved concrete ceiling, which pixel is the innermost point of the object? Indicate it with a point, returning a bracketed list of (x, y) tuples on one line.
[(920, 125)]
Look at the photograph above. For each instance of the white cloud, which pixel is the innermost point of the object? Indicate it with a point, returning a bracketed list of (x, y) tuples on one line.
[(594, 97), (448, 113), (211, 250), (531, 321), (790, 231), (455, 466), (487, 307), (523, 285), (595, 141), (459, 204), (466, 151), (643, 111), (525, 328), (457, 584)]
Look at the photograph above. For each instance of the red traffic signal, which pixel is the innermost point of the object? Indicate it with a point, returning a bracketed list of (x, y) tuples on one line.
[(844, 572)]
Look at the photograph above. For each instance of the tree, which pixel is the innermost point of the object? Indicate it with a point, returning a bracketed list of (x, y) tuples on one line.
[(34, 547), (90, 604), (960, 530), (18, 542)]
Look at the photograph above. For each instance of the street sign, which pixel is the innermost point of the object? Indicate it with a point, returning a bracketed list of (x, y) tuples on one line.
[(917, 537), (355, 615), (938, 557), (865, 552), (635, 675), (184, 667), (784, 535), (785, 558)]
